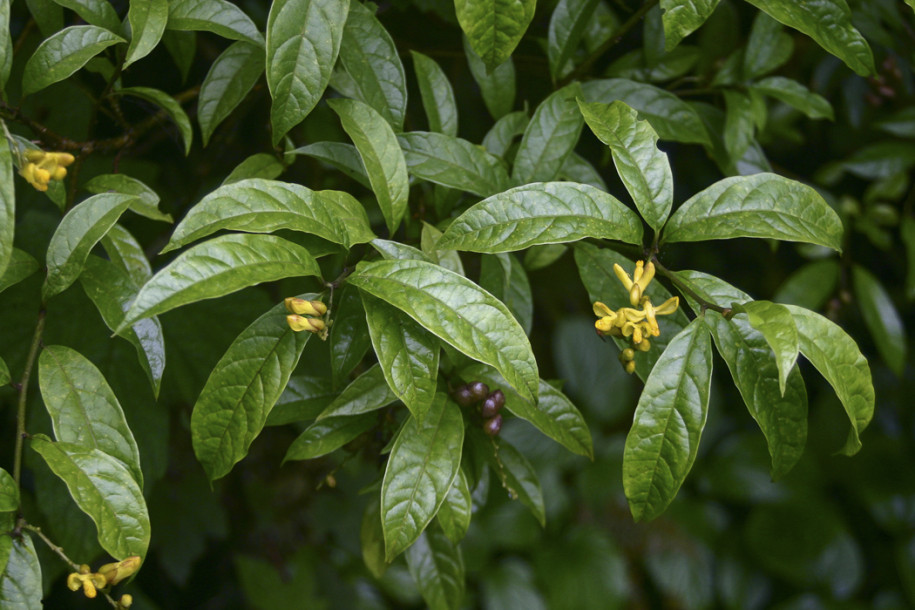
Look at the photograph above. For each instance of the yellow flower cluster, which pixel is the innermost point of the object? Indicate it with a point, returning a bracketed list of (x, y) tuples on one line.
[(634, 324), (41, 167), (301, 312), (108, 575)]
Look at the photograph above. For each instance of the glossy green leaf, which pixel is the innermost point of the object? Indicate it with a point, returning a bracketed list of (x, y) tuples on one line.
[(218, 16), (181, 46), (681, 19), (125, 251), (20, 267), (262, 206), (829, 22), (77, 233), (568, 23), (394, 250), (231, 77), (218, 267), (497, 86), (795, 95), (453, 162), (303, 399), (147, 19), (84, 410), (644, 169), (449, 259), (767, 48), (111, 290), (104, 489), (259, 165), (670, 116), (423, 464), (94, 12), (775, 323), (837, 357), (494, 27), (7, 202), (20, 581), (500, 135), (504, 277), (368, 392), (811, 285), (578, 169), (171, 107), (549, 138), (542, 213), (661, 445), (407, 354), (437, 567), (369, 55), (146, 202), (437, 95), (458, 311), (381, 155), (245, 384), (339, 155), (328, 435), (63, 53), (303, 41), (882, 318), (739, 129), (455, 512), (9, 491), (519, 479), (761, 205), (6, 48)]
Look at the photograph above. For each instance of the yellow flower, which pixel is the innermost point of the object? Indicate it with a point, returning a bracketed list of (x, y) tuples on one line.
[(42, 167), (638, 283), (118, 571), (89, 582)]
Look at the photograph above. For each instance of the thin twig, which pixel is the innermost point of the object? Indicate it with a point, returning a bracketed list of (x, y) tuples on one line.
[(727, 312), (23, 395), (57, 550)]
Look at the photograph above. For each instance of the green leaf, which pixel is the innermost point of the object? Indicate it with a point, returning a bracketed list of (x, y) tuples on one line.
[(882, 318), (541, 213), (6, 50), (795, 95), (519, 479), (256, 205), (494, 27), (644, 169), (763, 205), (124, 250), (146, 202), (21, 266), (829, 22), (453, 162), (423, 464), (327, 435), (455, 512), (767, 48), (907, 233), (500, 136), (549, 138), (775, 323), (578, 169), (303, 399), (242, 389), (838, 359), (218, 267), (661, 445), (349, 337), (456, 310), (259, 165), (83, 409), (4, 373), (9, 491), (369, 55), (568, 23), (339, 155), (811, 285), (111, 290), (94, 12), (449, 259), (381, 155), (497, 86), (437, 95), (218, 16), (77, 233), (394, 250), (504, 277), (738, 124), (437, 567), (371, 538), (171, 107), (303, 41), (670, 116), (681, 19), (147, 19), (407, 353), (104, 489), (368, 392), (63, 53), (231, 77), (181, 46), (20, 582), (7, 201)]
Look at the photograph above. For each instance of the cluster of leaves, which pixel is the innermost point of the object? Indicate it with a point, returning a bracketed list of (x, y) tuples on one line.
[(410, 239)]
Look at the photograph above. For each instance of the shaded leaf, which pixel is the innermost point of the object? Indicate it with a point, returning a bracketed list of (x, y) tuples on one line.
[(775, 323), (4, 373), (568, 23), (683, 18), (882, 318), (6, 53), (393, 250), (505, 278), (146, 202), (578, 169), (63, 53), (549, 138), (349, 337), (340, 155), (9, 491), (455, 512), (795, 95), (371, 538), (497, 86), (368, 392), (437, 567), (125, 251), (437, 95), (218, 16), (519, 479), (447, 258), (453, 162), (20, 581), (327, 435), (7, 196), (811, 285), (259, 165), (147, 19), (494, 27), (171, 107), (303, 399), (500, 135), (231, 77), (767, 48)]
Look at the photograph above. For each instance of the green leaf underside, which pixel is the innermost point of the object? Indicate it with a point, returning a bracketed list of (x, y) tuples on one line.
[(881, 318), (497, 86), (368, 392), (494, 27), (777, 326), (63, 53), (7, 205), (232, 75), (520, 478), (661, 445), (20, 578), (218, 16), (219, 267), (437, 95), (257, 205), (242, 389), (104, 489), (394, 250), (542, 213), (455, 512), (329, 434), (458, 311), (422, 466), (171, 107), (549, 138), (146, 202), (762, 205), (147, 21), (437, 567), (339, 155), (453, 162), (681, 19)]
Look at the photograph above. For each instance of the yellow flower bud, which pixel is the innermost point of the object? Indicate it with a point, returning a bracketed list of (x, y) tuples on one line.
[(303, 307), (113, 573), (601, 310), (89, 589), (627, 354), (62, 158), (644, 346), (630, 367), (126, 600), (84, 569), (622, 276), (646, 276), (74, 582), (34, 155), (59, 173), (299, 323), (635, 294)]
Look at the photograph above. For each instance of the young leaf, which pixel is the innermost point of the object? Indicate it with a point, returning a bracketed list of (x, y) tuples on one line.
[(519, 479), (836, 356), (549, 138), (882, 319), (795, 95), (244, 386), (171, 107), (681, 19), (407, 354), (453, 162), (437, 95), (381, 155), (339, 155), (644, 169), (437, 567), (77, 233), (63, 53), (7, 201), (147, 19), (368, 392), (218, 267), (777, 326), (458, 311), (494, 27), (423, 464), (218, 16), (21, 266), (497, 86), (541, 213), (303, 41), (568, 23), (262, 206), (104, 489), (661, 445), (327, 435), (231, 77), (146, 202), (762, 205), (20, 579), (455, 512)]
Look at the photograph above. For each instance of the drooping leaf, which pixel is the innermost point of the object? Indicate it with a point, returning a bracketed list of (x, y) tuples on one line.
[(456, 310), (795, 95), (7, 197), (9, 491), (497, 86), (63, 53), (368, 392), (218, 267), (661, 445), (231, 77), (519, 479), (20, 580), (171, 107), (767, 48), (146, 202), (739, 129), (549, 137), (568, 23), (147, 19), (341, 156), (681, 19), (762, 205), (437, 567), (327, 435), (494, 27), (777, 326), (437, 95), (21, 266), (882, 318), (104, 489), (453, 162), (455, 512), (181, 46), (218, 16)]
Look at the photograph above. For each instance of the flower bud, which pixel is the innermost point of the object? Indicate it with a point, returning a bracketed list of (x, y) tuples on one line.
[(62, 158), (60, 172), (630, 367), (644, 346), (627, 355), (303, 307), (113, 573), (89, 589), (493, 425), (300, 323), (126, 600), (635, 294), (74, 582), (34, 155)]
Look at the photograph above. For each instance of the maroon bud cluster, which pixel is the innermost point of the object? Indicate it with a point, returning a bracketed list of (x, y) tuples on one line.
[(472, 394)]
